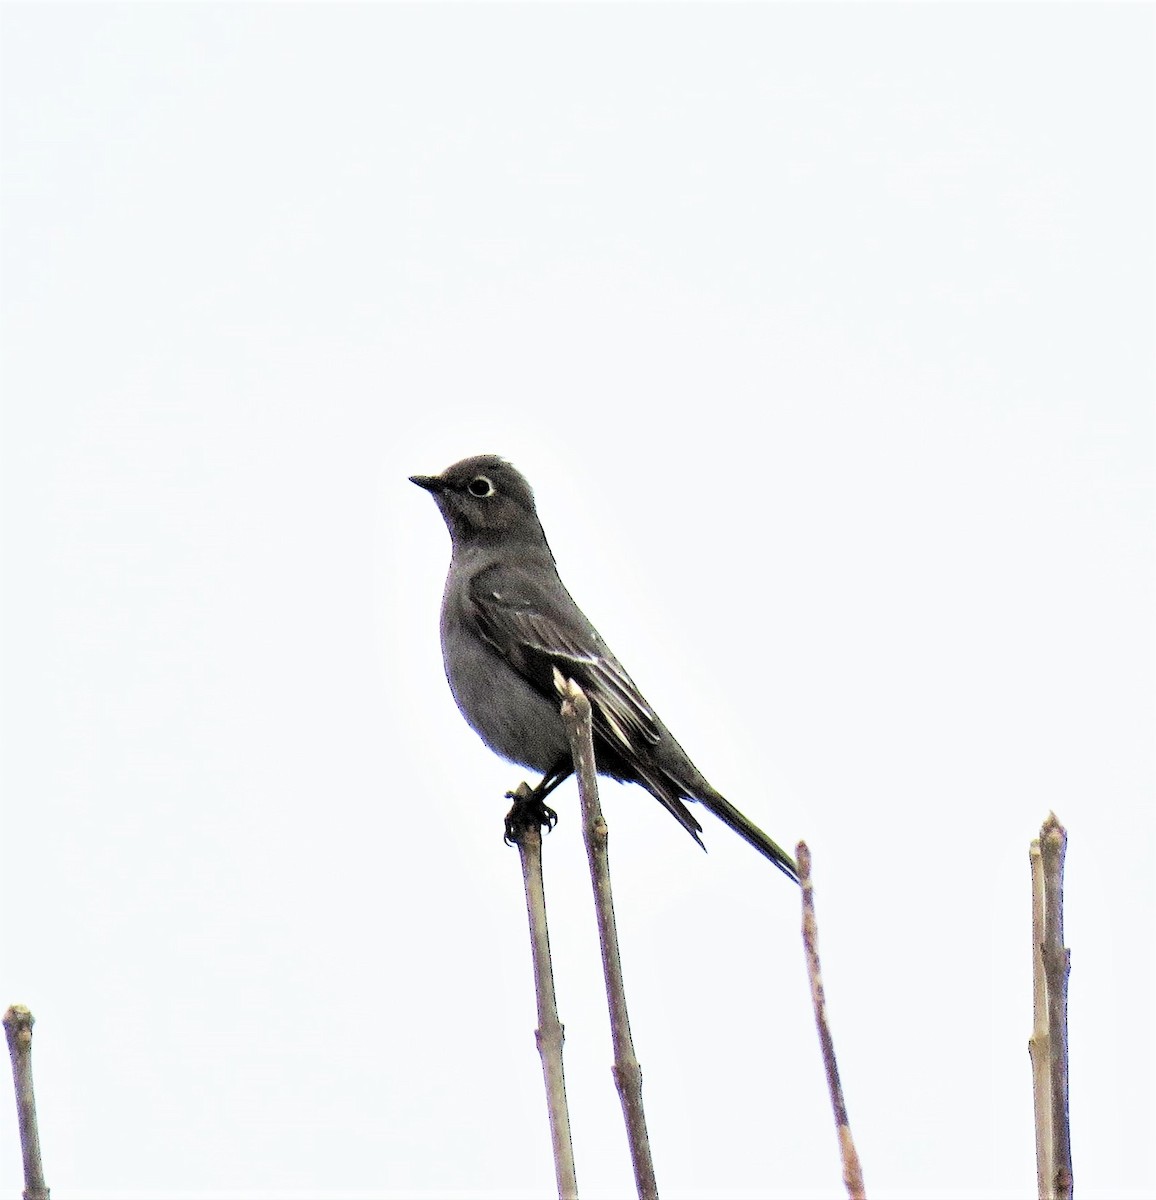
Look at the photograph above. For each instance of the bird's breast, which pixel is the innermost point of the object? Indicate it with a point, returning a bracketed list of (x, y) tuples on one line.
[(511, 716)]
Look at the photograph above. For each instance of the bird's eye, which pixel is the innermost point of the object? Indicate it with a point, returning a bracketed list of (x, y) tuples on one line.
[(481, 486)]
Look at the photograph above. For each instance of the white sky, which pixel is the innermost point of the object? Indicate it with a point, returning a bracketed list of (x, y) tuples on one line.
[(825, 335)]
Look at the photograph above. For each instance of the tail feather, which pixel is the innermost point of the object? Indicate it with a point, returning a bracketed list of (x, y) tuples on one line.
[(750, 832), (669, 791), (671, 799)]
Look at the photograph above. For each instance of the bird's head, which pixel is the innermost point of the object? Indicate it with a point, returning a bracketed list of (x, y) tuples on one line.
[(484, 499)]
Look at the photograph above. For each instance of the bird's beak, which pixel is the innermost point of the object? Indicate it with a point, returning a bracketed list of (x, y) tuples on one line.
[(431, 483)]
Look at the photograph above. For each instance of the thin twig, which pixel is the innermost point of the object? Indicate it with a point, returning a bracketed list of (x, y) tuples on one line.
[(18, 1022), (1038, 1043), (1057, 962), (852, 1171), (626, 1070), (549, 1035)]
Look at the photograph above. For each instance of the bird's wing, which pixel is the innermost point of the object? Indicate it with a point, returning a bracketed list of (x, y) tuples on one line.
[(536, 628)]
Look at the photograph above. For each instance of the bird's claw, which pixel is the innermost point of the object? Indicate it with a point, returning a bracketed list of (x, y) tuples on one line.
[(527, 812)]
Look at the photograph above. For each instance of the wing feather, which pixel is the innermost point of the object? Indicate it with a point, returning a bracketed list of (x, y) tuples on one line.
[(537, 629)]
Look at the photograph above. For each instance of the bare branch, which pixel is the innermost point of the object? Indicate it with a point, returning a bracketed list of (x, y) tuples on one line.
[(1057, 963), (852, 1171), (626, 1070), (18, 1022), (549, 1035), (1038, 1043)]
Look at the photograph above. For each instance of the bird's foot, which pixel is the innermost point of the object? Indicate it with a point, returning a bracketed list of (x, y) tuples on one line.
[(528, 811)]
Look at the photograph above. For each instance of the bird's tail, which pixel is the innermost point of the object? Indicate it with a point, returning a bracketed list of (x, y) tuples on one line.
[(750, 832), (669, 789)]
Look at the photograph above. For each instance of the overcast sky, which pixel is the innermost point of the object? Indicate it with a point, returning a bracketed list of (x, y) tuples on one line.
[(825, 335)]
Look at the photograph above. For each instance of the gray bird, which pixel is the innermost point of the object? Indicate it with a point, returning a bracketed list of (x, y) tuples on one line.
[(507, 621)]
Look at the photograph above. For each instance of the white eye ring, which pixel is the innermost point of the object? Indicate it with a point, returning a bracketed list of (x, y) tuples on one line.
[(480, 487)]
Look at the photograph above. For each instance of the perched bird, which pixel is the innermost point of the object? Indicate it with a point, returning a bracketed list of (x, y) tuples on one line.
[(508, 621)]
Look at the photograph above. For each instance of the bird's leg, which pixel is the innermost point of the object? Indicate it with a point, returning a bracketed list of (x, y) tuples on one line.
[(529, 807)]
